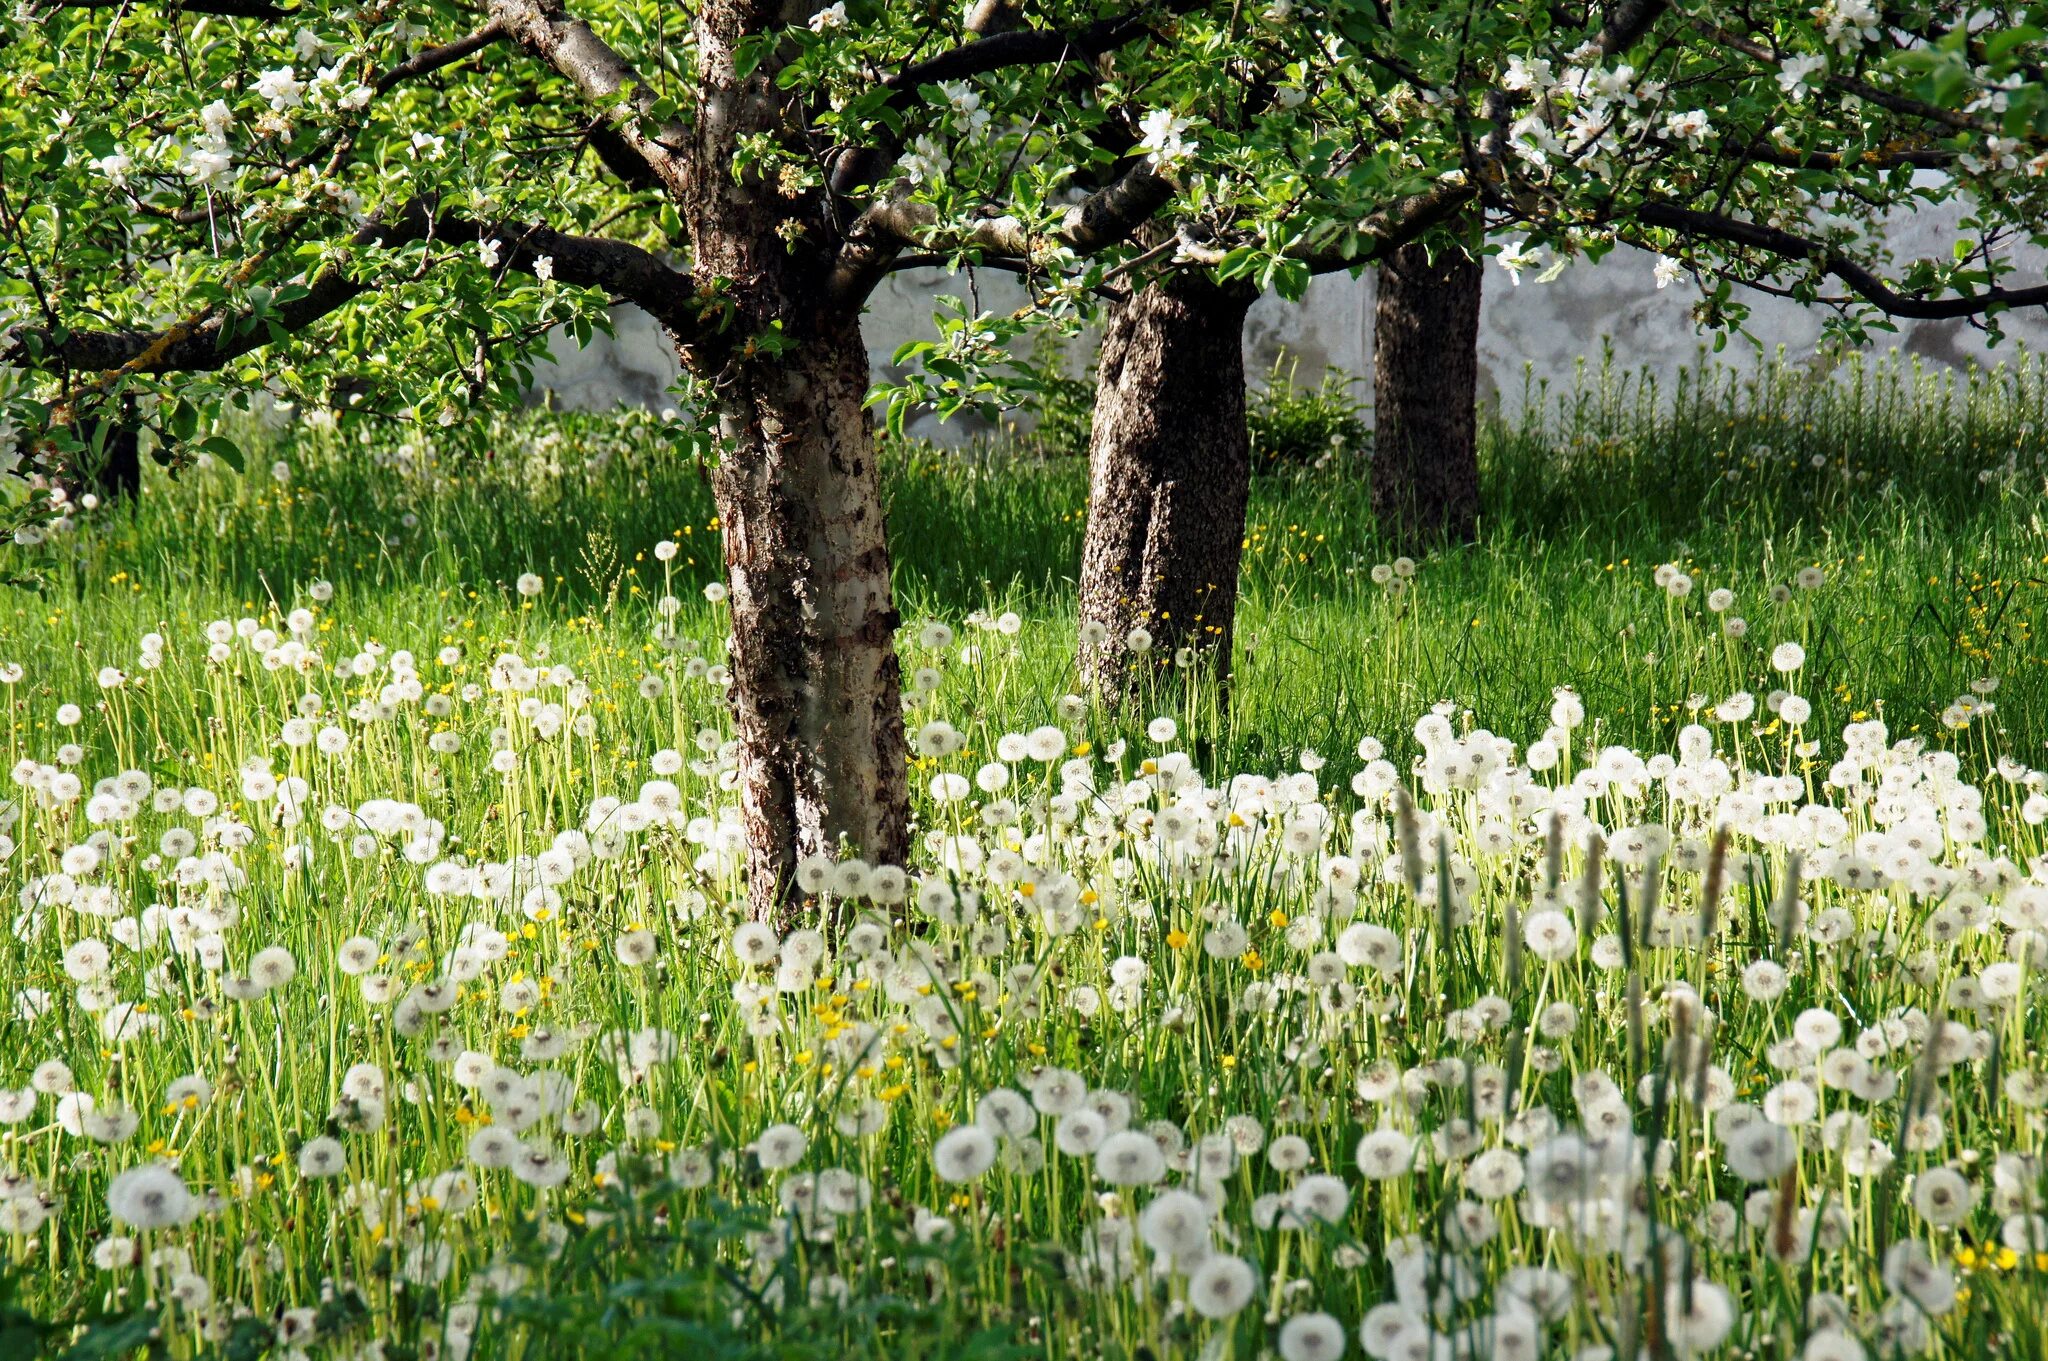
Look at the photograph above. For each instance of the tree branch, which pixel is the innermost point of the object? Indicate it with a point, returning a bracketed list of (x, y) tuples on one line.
[(1113, 212), (228, 9), (857, 166), (419, 64), (616, 155), (1096, 223), (1397, 224), (1866, 285), (1926, 158), (1029, 47), (619, 269), (988, 17), (434, 58), (203, 343), (941, 260), (569, 45), (1627, 22), (1394, 226), (1864, 90)]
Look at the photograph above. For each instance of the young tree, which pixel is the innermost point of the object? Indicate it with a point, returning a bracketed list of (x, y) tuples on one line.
[(206, 199)]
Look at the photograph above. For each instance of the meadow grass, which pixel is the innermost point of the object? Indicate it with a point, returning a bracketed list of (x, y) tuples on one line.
[(380, 986), (1916, 493)]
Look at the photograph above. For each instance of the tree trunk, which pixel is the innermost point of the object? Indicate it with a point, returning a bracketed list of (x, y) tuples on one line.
[(1425, 463), (817, 689), (113, 472), (1170, 472)]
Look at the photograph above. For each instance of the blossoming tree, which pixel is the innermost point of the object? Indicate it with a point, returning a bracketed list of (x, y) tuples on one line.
[(1376, 165), (1752, 150), (203, 200)]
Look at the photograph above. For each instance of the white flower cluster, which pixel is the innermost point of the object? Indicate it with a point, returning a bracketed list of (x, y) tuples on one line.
[(1487, 1049)]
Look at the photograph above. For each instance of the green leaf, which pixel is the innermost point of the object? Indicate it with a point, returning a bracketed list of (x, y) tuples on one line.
[(2002, 43), (749, 51), (1290, 278), (224, 449)]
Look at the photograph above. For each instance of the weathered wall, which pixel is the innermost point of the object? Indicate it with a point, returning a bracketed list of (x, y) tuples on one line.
[(1532, 332)]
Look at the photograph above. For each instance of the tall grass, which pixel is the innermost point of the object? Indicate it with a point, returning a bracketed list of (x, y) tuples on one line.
[(1917, 493), (1904, 590), (1778, 445)]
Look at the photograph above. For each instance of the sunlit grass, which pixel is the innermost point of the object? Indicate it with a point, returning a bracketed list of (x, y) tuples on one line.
[(433, 989)]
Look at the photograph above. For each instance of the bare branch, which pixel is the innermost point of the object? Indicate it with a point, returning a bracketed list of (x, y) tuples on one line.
[(1866, 285)]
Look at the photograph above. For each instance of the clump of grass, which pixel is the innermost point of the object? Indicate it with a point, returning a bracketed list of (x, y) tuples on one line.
[(1779, 445), (1294, 426)]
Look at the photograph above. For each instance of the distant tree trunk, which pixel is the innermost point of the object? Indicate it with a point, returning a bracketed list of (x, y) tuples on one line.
[(1425, 463), (1170, 470), (113, 472)]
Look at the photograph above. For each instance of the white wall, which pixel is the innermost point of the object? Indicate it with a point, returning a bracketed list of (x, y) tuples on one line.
[(1545, 328)]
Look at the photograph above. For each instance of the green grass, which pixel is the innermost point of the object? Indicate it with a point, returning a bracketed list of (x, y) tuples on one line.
[(1936, 574), (1931, 589)]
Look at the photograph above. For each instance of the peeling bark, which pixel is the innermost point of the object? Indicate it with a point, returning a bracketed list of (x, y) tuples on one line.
[(817, 688)]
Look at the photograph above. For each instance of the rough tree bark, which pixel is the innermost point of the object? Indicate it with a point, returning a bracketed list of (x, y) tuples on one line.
[(1425, 463), (817, 694), (817, 687), (1170, 472)]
